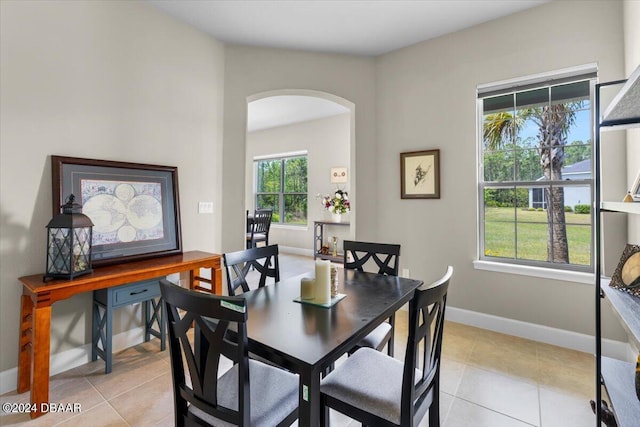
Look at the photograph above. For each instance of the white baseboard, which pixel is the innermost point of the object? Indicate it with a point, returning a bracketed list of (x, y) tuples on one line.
[(295, 251), (74, 357), (560, 337)]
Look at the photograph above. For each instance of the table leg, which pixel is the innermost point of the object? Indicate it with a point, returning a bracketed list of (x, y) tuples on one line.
[(25, 344), (41, 353), (309, 398), (216, 276)]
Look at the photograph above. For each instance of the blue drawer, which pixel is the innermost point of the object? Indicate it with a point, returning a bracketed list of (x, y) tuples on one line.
[(128, 294), (135, 292)]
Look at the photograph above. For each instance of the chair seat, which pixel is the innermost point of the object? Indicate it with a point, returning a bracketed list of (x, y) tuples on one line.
[(377, 338), (376, 391), (274, 395)]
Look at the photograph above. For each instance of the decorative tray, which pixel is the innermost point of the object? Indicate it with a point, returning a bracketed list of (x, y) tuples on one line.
[(334, 301)]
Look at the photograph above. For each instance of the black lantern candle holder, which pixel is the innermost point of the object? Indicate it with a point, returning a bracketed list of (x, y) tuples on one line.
[(69, 243)]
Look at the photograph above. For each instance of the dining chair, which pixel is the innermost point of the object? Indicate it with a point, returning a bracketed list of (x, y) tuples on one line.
[(378, 390), (259, 231), (248, 394), (382, 258), (263, 259)]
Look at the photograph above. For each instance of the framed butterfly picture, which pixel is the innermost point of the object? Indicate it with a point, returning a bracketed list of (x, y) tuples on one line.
[(420, 175)]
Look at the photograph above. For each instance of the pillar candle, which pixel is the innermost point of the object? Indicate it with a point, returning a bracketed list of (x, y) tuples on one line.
[(307, 285), (323, 282)]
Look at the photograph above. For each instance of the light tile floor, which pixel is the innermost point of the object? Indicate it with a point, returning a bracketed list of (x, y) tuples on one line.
[(488, 379)]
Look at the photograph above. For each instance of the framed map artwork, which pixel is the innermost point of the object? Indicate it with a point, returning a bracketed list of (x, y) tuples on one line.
[(134, 207)]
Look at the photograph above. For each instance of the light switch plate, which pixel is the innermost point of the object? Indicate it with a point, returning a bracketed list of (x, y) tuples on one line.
[(205, 207)]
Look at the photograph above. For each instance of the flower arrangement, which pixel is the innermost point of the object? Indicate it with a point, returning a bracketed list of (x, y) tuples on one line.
[(338, 203)]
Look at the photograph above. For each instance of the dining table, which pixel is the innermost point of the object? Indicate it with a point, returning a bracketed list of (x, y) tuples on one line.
[(306, 338)]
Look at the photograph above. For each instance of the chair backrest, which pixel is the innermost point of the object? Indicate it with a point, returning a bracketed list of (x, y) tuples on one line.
[(263, 259), (184, 308), (261, 221), (385, 256), (424, 346)]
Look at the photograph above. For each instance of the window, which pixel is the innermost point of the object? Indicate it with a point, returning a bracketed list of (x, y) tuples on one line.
[(281, 185), (535, 177)]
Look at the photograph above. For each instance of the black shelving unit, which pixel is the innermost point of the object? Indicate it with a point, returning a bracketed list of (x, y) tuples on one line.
[(616, 376)]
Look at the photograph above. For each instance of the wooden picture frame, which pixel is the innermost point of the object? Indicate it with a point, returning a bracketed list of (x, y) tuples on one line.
[(420, 174), (635, 188), (626, 276), (134, 207)]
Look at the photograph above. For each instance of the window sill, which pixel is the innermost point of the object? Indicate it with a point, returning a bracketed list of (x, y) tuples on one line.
[(526, 270)]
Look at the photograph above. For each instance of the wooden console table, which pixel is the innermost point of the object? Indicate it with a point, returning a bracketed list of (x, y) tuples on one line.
[(38, 296)]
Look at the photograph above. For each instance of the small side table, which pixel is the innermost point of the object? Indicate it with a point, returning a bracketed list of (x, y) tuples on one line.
[(106, 300), (318, 239)]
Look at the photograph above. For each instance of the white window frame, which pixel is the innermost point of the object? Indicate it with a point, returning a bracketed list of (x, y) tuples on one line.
[(282, 157), (580, 274)]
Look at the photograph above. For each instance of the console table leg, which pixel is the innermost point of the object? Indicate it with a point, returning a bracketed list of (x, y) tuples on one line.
[(215, 281), (148, 320), (154, 314), (216, 275), (25, 344), (41, 354)]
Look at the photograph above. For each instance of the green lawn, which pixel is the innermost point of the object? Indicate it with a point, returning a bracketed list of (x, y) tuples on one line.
[(531, 235)]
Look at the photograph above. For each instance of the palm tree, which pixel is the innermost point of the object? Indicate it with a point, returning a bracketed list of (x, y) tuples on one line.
[(553, 123)]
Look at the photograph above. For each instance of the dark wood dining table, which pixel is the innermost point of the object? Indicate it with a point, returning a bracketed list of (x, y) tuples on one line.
[(305, 338)]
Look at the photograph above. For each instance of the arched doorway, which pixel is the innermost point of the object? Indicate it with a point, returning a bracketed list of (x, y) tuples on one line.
[(284, 125)]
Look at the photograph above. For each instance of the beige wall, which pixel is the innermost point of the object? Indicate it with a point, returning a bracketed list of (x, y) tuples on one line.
[(426, 99), (327, 142), (250, 71), (104, 80)]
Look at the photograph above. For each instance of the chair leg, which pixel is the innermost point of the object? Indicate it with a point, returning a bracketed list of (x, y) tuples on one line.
[(392, 337), (434, 409), (324, 414)]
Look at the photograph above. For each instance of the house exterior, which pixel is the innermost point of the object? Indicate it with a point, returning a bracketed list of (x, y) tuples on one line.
[(572, 195)]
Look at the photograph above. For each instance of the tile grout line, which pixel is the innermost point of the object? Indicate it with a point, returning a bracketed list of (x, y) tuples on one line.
[(538, 385), (91, 407), (495, 412)]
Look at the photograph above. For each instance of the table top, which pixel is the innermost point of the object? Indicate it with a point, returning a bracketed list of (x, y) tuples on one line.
[(315, 336), (106, 276)]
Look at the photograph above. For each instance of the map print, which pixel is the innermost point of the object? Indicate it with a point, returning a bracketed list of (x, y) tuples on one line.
[(121, 211)]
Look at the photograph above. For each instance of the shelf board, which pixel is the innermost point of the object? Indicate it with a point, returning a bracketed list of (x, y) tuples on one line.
[(619, 379), (630, 207), (624, 109), (339, 258), (331, 223), (626, 305)]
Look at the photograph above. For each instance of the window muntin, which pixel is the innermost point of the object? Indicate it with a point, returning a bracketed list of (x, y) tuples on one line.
[(521, 134), (281, 185)]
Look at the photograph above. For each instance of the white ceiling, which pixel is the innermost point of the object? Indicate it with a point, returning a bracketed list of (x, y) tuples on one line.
[(357, 27), (360, 27), (287, 109)]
